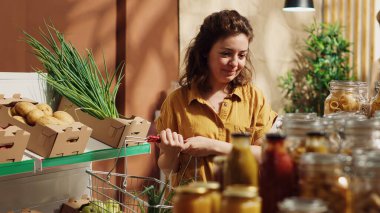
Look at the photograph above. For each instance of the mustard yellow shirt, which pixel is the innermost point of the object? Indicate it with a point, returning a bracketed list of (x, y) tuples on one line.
[(187, 113)]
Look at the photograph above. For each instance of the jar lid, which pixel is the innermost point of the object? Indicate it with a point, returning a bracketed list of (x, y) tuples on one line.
[(187, 189), (298, 204), (301, 127), (211, 185), (275, 136), (241, 135), (324, 159), (242, 191)]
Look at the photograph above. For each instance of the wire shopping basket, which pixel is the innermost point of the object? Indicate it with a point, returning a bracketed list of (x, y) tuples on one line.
[(115, 192)]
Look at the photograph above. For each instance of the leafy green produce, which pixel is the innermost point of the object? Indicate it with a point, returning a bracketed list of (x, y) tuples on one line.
[(75, 77)]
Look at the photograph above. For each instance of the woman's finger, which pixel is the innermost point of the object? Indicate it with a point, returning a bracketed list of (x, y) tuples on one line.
[(175, 139), (169, 136), (163, 137)]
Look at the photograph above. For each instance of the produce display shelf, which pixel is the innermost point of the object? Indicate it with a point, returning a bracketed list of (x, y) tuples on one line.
[(96, 155), (16, 167), (32, 162)]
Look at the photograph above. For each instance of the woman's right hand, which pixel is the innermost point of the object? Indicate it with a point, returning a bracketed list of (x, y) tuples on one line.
[(171, 142)]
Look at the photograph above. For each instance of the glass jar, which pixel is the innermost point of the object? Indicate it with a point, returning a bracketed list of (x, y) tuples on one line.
[(361, 134), (188, 199), (375, 100), (241, 199), (316, 142), (241, 165), (323, 176), (213, 192), (277, 173), (344, 96), (364, 102), (334, 127), (219, 162), (296, 134), (302, 205), (366, 181)]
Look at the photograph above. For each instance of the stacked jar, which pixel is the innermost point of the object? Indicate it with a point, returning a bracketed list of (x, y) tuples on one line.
[(296, 134), (302, 205), (323, 176), (347, 96), (361, 134), (366, 181), (241, 199)]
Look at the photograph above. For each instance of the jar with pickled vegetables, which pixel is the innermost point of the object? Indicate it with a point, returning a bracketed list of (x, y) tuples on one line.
[(323, 176), (344, 96), (302, 205), (241, 199), (191, 199), (213, 192), (241, 165), (277, 173), (366, 181)]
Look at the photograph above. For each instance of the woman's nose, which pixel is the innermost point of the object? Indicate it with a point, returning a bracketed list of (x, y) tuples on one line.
[(233, 61)]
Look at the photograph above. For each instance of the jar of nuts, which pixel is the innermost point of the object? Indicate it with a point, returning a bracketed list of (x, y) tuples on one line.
[(323, 176), (344, 96), (366, 181)]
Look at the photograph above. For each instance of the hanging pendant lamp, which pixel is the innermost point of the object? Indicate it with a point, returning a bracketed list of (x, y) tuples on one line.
[(299, 6)]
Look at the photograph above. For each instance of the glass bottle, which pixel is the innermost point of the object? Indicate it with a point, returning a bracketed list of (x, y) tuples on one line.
[(277, 173), (241, 165), (324, 176), (191, 199), (366, 181), (241, 199), (213, 192), (219, 162), (344, 96), (302, 205)]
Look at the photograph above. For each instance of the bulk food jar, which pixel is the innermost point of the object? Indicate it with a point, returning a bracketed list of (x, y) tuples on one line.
[(296, 134), (344, 96), (191, 199), (323, 176), (366, 181), (375, 101), (302, 205), (241, 166), (241, 199), (361, 134), (213, 192)]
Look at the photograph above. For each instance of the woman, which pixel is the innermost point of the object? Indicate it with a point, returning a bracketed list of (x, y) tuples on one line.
[(216, 98)]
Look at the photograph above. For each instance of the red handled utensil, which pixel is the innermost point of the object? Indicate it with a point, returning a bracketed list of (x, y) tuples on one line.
[(150, 139)]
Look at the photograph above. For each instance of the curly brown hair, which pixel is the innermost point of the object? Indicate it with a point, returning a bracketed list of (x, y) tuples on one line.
[(215, 26)]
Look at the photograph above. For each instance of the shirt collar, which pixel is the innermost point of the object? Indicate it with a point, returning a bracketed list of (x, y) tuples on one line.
[(195, 95)]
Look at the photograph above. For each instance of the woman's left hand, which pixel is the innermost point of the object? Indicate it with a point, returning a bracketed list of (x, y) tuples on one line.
[(199, 146)]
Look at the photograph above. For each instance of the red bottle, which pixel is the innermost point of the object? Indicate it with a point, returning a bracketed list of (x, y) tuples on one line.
[(277, 173)]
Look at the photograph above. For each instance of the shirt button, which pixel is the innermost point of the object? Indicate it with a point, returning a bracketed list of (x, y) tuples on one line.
[(225, 104)]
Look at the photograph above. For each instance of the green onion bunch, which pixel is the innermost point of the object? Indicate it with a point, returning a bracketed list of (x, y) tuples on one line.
[(75, 77)]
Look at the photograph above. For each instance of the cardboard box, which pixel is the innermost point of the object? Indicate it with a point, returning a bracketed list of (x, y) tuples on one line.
[(74, 205), (111, 131), (50, 140), (13, 142)]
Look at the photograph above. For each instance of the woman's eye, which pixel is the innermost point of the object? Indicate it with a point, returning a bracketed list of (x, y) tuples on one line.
[(225, 53), (242, 56)]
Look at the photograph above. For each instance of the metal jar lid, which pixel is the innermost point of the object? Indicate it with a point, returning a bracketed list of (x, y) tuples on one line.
[(302, 205), (242, 191)]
